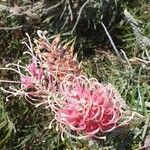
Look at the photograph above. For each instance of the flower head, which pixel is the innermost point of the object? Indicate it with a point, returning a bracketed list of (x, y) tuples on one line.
[(90, 107), (54, 78), (56, 57)]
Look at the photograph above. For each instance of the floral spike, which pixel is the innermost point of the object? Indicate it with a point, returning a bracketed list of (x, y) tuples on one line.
[(56, 58), (54, 78)]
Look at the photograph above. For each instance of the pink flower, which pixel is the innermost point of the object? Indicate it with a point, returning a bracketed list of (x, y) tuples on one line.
[(27, 82), (89, 107), (35, 76), (32, 68), (35, 71)]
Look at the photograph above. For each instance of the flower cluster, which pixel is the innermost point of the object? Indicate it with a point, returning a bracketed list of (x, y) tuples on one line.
[(57, 58), (54, 79), (90, 107)]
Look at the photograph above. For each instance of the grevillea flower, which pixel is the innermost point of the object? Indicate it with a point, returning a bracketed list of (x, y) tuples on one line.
[(27, 82), (54, 78), (56, 57), (90, 107), (35, 75), (37, 84)]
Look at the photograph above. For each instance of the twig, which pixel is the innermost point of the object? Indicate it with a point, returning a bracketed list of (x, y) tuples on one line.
[(147, 54), (63, 12), (146, 127), (54, 6), (7, 81), (126, 58), (80, 11), (10, 28), (70, 10), (136, 60), (139, 100), (66, 20), (113, 45)]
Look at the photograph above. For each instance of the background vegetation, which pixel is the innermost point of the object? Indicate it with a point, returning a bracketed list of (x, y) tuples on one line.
[(126, 65)]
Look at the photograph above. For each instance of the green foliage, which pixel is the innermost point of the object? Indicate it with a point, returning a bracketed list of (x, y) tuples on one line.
[(67, 14), (6, 126), (82, 19), (31, 127), (134, 31)]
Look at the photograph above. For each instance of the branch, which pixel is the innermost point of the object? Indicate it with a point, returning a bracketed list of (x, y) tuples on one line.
[(80, 11), (53, 7), (10, 28), (113, 45)]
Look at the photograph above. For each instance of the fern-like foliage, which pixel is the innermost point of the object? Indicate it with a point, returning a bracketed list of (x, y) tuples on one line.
[(70, 15), (6, 126), (142, 40)]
